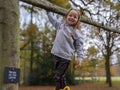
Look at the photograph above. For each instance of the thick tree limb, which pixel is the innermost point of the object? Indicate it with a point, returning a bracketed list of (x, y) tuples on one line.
[(51, 7)]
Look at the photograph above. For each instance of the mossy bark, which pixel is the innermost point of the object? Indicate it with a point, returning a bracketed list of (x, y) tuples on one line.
[(9, 39)]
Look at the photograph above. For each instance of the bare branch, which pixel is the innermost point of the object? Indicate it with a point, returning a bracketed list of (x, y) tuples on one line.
[(87, 3), (82, 9)]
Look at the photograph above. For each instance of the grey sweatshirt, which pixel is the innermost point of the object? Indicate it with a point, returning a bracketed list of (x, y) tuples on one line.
[(65, 44)]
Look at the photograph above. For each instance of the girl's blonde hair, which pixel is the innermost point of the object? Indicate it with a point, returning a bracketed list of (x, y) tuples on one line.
[(77, 26)]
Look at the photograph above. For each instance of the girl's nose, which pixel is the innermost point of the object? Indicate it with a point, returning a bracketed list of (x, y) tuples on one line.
[(72, 17)]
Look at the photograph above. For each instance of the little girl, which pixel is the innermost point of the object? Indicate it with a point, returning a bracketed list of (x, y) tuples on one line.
[(68, 41)]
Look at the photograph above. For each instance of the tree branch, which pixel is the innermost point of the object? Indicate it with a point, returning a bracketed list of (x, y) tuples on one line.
[(51, 7), (87, 3)]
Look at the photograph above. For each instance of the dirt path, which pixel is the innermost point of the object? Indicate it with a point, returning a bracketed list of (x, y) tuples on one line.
[(77, 87)]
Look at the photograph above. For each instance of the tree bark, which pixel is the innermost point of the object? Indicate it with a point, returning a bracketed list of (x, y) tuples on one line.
[(107, 64), (9, 39), (49, 6), (108, 74)]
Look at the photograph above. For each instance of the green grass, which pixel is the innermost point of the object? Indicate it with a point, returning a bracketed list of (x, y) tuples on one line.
[(97, 79)]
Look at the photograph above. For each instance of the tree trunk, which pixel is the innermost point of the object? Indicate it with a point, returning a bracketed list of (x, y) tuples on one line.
[(107, 67), (108, 74), (9, 38)]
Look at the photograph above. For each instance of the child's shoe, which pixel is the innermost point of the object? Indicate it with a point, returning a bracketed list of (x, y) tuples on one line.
[(66, 88)]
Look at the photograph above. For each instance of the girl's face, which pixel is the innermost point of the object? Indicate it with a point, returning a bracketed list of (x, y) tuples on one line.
[(72, 18)]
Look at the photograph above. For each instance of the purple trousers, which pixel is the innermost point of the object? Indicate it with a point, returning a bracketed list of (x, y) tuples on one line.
[(61, 66)]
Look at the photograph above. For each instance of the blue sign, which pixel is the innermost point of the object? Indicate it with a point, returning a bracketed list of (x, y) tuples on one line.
[(11, 75)]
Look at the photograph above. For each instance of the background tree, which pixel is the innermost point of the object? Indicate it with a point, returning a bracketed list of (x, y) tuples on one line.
[(109, 42), (30, 37)]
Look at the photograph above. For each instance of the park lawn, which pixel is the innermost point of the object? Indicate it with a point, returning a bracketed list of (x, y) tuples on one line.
[(86, 86)]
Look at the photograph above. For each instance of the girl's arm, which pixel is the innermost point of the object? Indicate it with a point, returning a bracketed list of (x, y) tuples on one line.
[(79, 47), (55, 22)]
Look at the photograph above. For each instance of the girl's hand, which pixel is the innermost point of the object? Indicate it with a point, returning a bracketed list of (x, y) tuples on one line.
[(78, 63)]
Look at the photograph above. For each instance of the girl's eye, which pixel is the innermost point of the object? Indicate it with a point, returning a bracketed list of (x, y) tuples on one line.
[(75, 17), (72, 16)]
